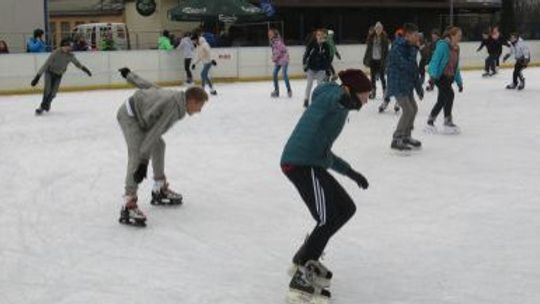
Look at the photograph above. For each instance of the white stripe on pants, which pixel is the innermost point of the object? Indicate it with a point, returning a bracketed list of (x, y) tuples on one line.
[(320, 200)]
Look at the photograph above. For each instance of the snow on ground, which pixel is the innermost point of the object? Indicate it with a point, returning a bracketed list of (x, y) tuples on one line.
[(455, 223)]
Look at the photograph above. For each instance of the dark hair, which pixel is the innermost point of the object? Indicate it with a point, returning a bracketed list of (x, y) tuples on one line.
[(436, 32), (196, 93), (66, 42), (514, 34), (166, 33), (38, 33), (410, 28)]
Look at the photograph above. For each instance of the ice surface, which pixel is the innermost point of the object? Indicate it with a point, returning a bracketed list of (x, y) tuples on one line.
[(458, 222)]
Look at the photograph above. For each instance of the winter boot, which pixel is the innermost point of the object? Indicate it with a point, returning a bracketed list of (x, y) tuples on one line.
[(131, 214), (302, 288), (275, 94), (162, 195)]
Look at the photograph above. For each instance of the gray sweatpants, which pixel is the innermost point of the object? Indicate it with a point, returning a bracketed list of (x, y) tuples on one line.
[(409, 108), (134, 136), (312, 75)]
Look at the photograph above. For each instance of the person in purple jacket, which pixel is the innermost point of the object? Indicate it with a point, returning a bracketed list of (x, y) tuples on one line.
[(280, 57)]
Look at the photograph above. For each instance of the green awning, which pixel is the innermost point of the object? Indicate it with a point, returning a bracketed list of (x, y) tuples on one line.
[(222, 10)]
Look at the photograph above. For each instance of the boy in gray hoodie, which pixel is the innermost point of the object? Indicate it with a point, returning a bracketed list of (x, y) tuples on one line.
[(54, 68), (148, 114)]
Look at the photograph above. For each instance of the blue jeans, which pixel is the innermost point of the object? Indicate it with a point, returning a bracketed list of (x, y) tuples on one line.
[(285, 77), (204, 75)]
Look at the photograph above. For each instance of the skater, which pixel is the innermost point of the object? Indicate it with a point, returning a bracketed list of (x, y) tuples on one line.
[(148, 114), (444, 69), (316, 63), (280, 57), (403, 79), (375, 59), (204, 54), (435, 37), (494, 44), (305, 160), (333, 53), (188, 50), (164, 42), (523, 57), (54, 68), (37, 43)]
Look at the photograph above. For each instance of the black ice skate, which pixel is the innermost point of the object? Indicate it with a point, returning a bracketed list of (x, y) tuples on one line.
[(289, 94), (131, 215), (274, 94), (39, 111), (400, 145), (511, 86), (213, 92), (486, 74), (383, 106), (165, 196), (302, 288), (521, 85), (306, 103), (416, 144)]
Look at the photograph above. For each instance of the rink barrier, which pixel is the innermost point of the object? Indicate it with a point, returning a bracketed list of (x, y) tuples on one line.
[(166, 68)]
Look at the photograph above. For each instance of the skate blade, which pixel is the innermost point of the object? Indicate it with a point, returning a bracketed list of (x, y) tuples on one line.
[(133, 223), (298, 297), (167, 203)]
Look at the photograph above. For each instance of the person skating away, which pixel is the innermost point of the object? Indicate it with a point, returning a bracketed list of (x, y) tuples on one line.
[(435, 37), (330, 39), (305, 161), (187, 48), (316, 63), (148, 114), (280, 58), (444, 69), (204, 55), (403, 80), (54, 68), (523, 56), (375, 57)]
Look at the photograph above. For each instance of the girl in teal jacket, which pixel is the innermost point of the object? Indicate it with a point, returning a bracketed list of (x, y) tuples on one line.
[(444, 71)]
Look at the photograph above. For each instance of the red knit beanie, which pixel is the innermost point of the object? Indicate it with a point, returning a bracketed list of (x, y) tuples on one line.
[(356, 80)]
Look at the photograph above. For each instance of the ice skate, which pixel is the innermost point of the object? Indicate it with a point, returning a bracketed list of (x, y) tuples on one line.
[(39, 111), (289, 94), (430, 127), (521, 85), (213, 92), (413, 143), (399, 146), (511, 86), (166, 196), (303, 290), (450, 128), (486, 74), (306, 103), (274, 94), (383, 107), (131, 214)]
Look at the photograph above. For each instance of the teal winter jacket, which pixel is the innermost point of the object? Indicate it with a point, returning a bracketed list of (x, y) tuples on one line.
[(439, 61), (311, 141)]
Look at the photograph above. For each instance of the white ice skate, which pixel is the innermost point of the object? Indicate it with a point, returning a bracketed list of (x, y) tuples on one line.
[(451, 130), (131, 214), (431, 129)]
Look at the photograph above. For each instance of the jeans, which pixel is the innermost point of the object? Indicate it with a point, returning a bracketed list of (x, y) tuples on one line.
[(204, 75), (285, 77)]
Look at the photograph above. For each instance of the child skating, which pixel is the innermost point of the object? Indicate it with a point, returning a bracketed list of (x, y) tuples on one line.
[(444, 70), (148, 114), (305, 161), (523, 56), (54, 68), (280, 57)]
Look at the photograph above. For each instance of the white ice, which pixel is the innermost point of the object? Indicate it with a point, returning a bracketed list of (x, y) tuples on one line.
[(458, 222)]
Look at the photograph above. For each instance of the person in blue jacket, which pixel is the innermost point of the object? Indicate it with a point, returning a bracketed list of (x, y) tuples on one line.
[(444, 70), (36, 44), (305, 160), (403, 79)]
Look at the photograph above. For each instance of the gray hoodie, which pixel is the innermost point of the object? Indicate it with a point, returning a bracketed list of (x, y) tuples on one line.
[(156, 110)]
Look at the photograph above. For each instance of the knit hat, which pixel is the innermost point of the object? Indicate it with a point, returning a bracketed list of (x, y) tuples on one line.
[(378, 25), (356, 80)]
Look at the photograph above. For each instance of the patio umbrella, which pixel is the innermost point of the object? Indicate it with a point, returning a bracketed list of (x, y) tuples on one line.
[(228, 11)]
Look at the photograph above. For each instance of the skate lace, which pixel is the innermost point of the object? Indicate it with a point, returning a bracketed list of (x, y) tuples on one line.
[(168, 192)]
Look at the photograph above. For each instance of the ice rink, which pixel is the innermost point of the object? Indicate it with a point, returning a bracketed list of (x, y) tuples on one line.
[(458, 222)]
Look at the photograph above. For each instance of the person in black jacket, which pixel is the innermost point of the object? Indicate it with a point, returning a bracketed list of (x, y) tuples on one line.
[(494, 44), (316, 62)]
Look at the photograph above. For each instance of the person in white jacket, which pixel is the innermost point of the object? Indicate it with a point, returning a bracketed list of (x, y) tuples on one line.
[(187, 48), (521, 52), (204, 55)]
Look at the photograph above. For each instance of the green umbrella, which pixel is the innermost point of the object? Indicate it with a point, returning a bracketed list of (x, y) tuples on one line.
[(223, 10)]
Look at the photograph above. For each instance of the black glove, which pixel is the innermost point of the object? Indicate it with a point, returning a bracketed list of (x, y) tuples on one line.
[(460, 88), (140, 173), (124, 72), (506, 57), (193, 67), (87, 71), (35, 80), (214, 63), (358, 178)]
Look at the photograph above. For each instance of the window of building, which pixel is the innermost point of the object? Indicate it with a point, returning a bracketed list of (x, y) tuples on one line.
[(65, 29)]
